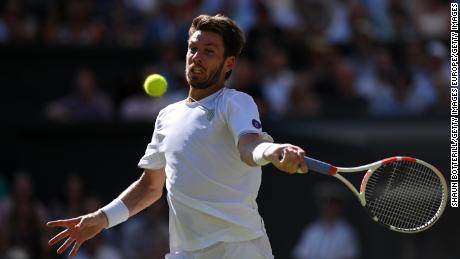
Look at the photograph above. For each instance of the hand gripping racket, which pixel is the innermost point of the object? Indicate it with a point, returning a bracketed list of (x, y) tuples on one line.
[(404, 194)]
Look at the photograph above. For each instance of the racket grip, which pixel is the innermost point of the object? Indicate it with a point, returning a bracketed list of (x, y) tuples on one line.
[(320, 166)]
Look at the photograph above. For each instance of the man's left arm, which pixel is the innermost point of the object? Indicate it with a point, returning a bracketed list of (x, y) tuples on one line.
[(254, 151)]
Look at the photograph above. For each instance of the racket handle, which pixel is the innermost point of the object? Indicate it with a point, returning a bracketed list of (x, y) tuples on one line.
[(320, 166)]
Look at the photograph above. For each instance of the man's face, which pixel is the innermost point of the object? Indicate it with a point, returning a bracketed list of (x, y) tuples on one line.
[(206, 65)]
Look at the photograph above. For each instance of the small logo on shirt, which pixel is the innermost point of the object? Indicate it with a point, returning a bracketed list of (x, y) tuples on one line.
[(256, 124)]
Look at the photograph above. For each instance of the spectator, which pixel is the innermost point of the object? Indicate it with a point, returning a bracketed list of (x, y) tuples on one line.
[(413, 97), (376, 84), (439, 71), (339, 29), (278, 80), (123, 30), (378, 16), (169, 24), (87, 103), (304, 101), (24, 219), (264, 31), (75, 195), (283, 13), (245, 79), (243, 11), (403, 27), (17, 25), (79, 25), (334, 81), (432, 19), (347, 101), (330, 236)]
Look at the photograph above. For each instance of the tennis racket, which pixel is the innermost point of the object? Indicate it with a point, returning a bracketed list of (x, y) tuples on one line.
[(404, 194)]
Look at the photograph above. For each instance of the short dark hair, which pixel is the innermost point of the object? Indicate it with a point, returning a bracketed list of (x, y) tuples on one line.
[(231, 34)]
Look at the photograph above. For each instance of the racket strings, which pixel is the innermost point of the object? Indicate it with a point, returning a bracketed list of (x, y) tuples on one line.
[(404, 194), (403, 208), (393, 214), (418, 190)]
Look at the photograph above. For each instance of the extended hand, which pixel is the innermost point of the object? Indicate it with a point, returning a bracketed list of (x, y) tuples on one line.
[(77, 231), (287, 158)]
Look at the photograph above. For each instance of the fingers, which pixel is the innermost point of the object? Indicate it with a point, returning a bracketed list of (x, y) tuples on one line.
[(64, 246), (75, 248), (63, 223), (303, 168), (59, 237), (292, 159), (77, 231)]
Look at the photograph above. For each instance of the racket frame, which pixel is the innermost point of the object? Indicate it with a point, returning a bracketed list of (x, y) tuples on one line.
[(325, 168)]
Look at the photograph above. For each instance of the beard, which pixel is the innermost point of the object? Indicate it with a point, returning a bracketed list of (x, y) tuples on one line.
[(211, 80)]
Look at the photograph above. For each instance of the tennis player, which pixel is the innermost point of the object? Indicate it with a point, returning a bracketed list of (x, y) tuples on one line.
[(207, 150)]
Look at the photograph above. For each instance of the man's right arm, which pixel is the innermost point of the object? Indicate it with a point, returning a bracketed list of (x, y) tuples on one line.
[(145, 191), (139, 195)]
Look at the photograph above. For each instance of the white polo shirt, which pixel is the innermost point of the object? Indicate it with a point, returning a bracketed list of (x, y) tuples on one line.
[(211, 192)]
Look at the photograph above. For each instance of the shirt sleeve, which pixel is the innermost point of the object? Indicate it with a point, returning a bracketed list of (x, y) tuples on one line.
[(242, 116), (154, 157)]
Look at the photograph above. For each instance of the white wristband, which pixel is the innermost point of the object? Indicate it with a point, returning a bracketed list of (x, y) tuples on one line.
[(258, 153), (116, 212)]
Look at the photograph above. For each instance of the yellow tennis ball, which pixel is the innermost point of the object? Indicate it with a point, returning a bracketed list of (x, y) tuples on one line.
[(155, 85)]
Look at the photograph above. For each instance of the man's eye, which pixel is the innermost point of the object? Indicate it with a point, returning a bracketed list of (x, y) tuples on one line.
[(210, 51), (192, 49)]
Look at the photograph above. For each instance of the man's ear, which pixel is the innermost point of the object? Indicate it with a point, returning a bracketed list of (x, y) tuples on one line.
[(229, 63)]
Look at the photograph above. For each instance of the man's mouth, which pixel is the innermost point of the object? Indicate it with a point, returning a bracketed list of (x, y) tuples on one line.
[(197, 70)]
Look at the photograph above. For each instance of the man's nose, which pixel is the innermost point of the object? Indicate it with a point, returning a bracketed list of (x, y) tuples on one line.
[(197, 57)]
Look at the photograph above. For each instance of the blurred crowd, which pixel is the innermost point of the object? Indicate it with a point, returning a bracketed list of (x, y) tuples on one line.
[(302, 58), (23, 234)]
